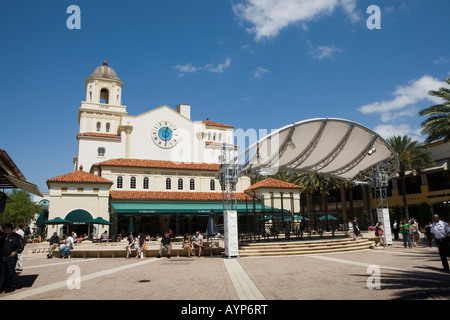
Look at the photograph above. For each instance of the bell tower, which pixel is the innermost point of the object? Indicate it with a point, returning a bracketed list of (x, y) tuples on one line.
[(104, 86), (100, 118), (102, 111)]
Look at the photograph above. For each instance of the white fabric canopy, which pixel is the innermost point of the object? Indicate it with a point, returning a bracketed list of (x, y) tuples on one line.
[(328, 146)]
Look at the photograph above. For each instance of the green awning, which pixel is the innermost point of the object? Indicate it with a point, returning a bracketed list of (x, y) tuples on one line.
[(78, 216), (134, 208), (42, 219)]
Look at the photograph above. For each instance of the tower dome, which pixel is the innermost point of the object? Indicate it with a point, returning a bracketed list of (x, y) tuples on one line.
[(104, 72)]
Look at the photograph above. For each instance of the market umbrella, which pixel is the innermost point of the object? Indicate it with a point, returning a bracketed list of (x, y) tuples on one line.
[(99, 220), (211, 229), (330, 217), (300, 218), (57, 221), (131, 226)]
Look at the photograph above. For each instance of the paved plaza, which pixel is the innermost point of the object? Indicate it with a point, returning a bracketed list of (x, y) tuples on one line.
[(373, 274)]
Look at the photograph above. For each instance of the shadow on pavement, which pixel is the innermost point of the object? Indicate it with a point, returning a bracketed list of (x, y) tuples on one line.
[(26, 281), (412, 285)]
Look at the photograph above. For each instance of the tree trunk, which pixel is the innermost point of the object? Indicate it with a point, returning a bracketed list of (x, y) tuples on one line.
[(350, 196), (405, 202)]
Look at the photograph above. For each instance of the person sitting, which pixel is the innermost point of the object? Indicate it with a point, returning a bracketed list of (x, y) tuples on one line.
[(130, 245), (142, 245), (166, 243), (68, 245), (105, 236), (197, 240), (55, 242), (187, 244)]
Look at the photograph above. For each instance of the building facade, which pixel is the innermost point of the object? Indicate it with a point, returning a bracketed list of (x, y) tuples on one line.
[(157, 168)]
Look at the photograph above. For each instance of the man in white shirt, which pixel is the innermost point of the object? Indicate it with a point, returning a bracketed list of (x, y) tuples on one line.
[(440, 231), (68, 245), (197, 241), (21, 233)]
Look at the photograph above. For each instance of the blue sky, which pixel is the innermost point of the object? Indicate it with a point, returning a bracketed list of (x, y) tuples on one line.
[(249, 63)]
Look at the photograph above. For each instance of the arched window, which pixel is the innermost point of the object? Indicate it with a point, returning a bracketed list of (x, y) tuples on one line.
[(101, 152), (214, 136), (108, 126), (168, 184), (133, 183), (220, 136), (99, 126), (104, 96), (192, 184), (212, 185), (180, 184), (119, 182), (145, 183)]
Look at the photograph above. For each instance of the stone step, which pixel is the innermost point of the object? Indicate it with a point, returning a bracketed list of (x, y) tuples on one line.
[(299, 248), (298, 243), (302, 248)]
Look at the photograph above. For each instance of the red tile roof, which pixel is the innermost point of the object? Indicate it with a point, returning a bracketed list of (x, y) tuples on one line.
[(98, 135), (158, 164), (79, 176), (171, 195), (273, 183), (216, 124)]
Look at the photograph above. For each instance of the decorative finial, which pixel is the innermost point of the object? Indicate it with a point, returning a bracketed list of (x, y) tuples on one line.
[(207, 119), (81, 168), (105, 63)]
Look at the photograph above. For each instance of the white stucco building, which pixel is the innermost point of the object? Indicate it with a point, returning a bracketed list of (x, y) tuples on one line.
[(156, 168)]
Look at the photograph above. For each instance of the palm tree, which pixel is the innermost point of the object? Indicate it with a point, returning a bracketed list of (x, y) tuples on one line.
[(313, 182), (412, 156), (437, 125)]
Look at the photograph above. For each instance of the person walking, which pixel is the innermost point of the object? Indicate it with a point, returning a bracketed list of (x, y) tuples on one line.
[(356, 229), (395, 228), (55, 242), (440, 232), (414, 233), (21, 233), (380, 234), (166, 244), (406, 233), (12, 246)]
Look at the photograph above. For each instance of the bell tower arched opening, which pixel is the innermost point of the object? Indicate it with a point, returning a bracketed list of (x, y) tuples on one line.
[(104, 96)]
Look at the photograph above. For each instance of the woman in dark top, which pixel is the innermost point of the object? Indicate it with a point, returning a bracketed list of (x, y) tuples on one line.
[(130, 245)]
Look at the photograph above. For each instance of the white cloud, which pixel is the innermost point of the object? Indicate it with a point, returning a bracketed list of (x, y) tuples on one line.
[(441, 60), (322, 52), (187, 68), (259, 71), (389, 116), (220, 67), (269, 17), (405, 97), (190, 68), (389, 130)]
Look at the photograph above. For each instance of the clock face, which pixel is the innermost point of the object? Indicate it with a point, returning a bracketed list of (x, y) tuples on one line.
[(165, 134)]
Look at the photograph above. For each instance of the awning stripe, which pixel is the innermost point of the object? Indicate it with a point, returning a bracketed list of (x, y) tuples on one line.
[(9, 182)]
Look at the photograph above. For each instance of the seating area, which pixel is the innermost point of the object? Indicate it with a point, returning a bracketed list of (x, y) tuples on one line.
[(118, 250)]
